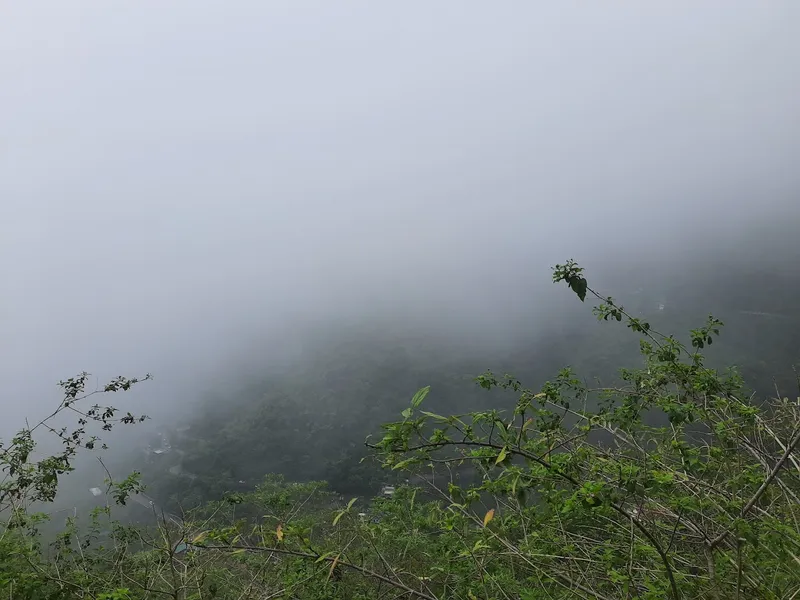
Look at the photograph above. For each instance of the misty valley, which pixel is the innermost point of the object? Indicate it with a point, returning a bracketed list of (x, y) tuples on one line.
[(320, 300)]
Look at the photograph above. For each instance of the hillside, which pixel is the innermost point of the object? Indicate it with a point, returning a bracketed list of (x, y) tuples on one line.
[(308, 420)]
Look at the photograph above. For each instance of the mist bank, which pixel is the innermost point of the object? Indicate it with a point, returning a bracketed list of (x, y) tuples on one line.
[(303, 404), (298, 395), (720, 266), (484, 312)]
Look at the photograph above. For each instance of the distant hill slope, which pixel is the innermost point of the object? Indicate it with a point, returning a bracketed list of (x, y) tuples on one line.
[(309, 420)]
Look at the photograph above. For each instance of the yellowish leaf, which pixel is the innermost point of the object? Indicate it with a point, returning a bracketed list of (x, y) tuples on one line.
[(279, 532), (489, 516), (334, 562), (199, 537)]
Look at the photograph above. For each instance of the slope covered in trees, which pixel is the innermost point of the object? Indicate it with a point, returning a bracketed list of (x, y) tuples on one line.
[(308, 421)]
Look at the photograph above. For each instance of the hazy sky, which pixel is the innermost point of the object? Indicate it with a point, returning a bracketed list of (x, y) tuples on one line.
[(174, 175)]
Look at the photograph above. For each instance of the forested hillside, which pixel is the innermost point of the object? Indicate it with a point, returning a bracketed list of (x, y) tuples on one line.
[(308, 420)]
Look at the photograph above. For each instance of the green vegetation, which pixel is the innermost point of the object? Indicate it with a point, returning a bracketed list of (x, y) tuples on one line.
[(672, 481)]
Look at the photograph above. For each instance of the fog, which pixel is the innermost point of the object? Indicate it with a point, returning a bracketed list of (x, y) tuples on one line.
[(178, 180)]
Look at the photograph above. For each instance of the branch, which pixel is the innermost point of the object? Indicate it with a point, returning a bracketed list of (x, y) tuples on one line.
[(537, 459), (349, 565), (762, 488)]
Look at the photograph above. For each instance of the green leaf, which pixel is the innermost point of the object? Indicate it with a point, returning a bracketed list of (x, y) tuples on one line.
[(479, 545), (338, 516), (350, 504), (434, 416), (502, 456), (406, 413), (579, 286), (420, 396), (403, 463)]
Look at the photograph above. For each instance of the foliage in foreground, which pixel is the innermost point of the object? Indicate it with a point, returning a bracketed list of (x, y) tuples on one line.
[(673, 484)]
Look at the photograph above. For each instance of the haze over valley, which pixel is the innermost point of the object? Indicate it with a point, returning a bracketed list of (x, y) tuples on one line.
[(297, 215)]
